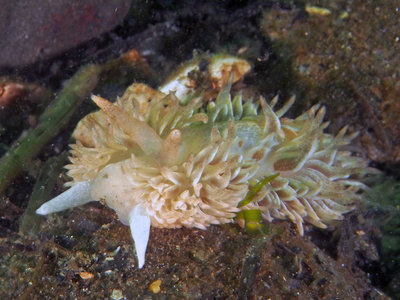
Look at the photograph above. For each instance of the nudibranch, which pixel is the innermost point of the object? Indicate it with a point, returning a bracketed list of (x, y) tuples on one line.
[(170, 158)]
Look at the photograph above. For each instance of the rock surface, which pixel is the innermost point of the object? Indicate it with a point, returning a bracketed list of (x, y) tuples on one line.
[(33, 30)]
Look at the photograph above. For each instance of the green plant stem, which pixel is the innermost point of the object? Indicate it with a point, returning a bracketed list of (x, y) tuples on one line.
[(54, 118), (30, 222)]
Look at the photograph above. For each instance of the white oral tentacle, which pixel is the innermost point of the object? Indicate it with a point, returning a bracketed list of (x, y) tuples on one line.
[(139, 222), (77, 195)]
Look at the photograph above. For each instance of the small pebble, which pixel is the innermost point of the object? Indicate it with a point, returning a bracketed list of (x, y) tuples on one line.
[(315, 10), (117, 295), (155, 286), (86, 275)]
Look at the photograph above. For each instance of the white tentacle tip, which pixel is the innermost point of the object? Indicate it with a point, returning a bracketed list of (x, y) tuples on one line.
[(43, 210), (139, 222), (77, 195)]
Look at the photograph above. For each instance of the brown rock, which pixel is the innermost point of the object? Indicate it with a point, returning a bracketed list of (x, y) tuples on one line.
[(32, 30)]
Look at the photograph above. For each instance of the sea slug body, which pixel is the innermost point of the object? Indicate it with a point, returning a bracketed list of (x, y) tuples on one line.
[(167, 159)]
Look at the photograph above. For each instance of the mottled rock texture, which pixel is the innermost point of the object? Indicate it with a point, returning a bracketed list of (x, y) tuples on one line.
[(33, 30)]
